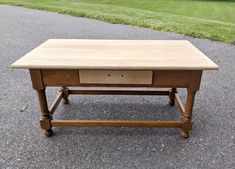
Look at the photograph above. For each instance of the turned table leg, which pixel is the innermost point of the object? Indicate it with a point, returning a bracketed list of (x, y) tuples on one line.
[(172, 96), (45, 117), (187, 115), (65, 91)]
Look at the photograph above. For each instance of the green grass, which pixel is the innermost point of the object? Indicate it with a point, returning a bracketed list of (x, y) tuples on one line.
[(211, 19)]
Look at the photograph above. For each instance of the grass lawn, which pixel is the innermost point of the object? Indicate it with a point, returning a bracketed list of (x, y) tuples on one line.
[(212, 19)]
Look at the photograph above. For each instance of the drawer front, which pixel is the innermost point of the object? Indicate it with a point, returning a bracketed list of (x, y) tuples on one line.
[(60, 77), (115, 77), (171, 78)]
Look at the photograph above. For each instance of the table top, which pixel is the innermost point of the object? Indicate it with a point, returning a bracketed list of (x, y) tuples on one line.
[(116, 54)]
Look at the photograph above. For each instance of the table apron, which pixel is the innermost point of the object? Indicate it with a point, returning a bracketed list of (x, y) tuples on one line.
[(159, 78)]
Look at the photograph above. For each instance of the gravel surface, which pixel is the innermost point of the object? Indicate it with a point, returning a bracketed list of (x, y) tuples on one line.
[(23, 145)]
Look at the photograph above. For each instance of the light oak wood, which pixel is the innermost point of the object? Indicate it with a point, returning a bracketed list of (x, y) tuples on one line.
[(115, 77), (112, 63), (116, 54), (36, 79)]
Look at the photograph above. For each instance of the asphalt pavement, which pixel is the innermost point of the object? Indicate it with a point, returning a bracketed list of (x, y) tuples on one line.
[(23, 145)]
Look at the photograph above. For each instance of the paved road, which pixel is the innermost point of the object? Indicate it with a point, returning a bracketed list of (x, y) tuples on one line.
[(22, 144)]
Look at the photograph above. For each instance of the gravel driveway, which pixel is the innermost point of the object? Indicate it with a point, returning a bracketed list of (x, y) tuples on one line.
[(23, 145)]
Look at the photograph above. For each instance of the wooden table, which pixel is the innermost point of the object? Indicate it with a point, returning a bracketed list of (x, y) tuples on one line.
[(116, 63)]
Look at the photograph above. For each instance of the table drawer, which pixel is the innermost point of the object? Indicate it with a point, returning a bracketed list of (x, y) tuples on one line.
[(172, 78), (115, 77), (60, 77)]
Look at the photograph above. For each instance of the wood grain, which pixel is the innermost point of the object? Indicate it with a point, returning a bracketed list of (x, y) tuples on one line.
[(56, 103), (60, 77), (36, 79), (115, 77), (171, 78), (116, 54), (179, 104), (115, 123), (111, 63)]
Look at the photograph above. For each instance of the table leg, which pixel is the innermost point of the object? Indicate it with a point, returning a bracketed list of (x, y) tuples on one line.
[(172, 96), (45, 117), (65, 91), (187, 115)]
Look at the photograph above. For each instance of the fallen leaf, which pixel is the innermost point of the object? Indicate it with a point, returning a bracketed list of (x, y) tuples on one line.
[(24, 108)]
